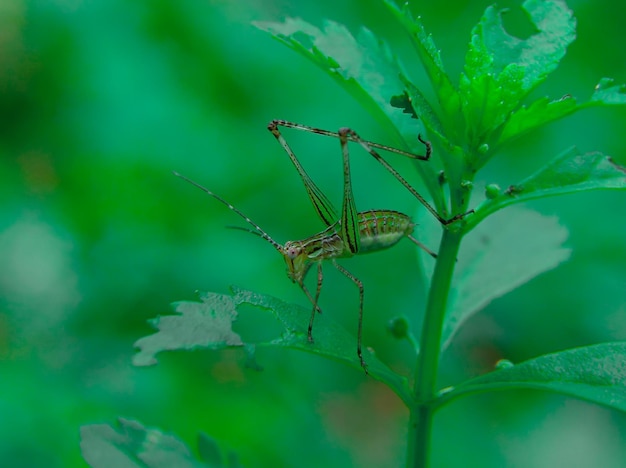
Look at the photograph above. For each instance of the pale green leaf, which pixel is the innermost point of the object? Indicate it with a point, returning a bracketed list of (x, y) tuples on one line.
[(198, 325), (592, 373), (362, 65), (501, 254), (131, 445), (504, 252)]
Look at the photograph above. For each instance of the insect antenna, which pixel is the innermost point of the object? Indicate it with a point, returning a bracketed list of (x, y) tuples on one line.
[(258, 231), (245, 229)]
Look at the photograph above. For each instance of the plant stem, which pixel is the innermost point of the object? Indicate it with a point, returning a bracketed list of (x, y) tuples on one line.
[(425, 376)]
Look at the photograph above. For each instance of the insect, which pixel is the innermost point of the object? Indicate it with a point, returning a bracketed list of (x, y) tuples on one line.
[(347, 234)]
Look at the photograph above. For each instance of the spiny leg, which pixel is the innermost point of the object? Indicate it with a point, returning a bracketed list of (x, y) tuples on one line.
[(346, 133), (359, 284), (369, 146), (391, 149), (365, 145), (322, 205)]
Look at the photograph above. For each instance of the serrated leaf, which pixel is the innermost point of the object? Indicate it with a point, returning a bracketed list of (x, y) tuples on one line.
[(415, 103), (430, 56), (198, 325), (423, 109), (537, 114), (132, 445), (363, 66), (592, 373), (500, 255), (544, 111), (194, 328), (539, 54), (501, 69), (569, 172)]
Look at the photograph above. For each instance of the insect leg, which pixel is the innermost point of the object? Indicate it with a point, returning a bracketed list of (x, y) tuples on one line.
[(350, 233), (314, 300), (422, 246), (391, 149), (321, 203), (320, 279), (352, 135), (359, 284), (369, 147)]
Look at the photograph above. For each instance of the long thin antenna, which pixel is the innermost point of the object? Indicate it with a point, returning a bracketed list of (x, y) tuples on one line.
[(260, 231)]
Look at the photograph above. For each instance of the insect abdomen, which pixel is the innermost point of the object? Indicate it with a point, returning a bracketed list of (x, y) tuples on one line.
[(381, 229)]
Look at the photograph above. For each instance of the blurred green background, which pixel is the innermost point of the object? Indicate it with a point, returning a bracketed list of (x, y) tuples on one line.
[(101, 100)]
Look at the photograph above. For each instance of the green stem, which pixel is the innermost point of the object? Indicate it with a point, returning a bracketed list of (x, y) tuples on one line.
[(425, 382)]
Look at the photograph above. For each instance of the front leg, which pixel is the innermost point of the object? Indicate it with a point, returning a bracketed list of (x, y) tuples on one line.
[(314, 300)]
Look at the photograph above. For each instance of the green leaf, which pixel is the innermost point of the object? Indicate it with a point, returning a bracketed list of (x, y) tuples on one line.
[(593, 373), (454, 160), (331, 340), (500, 69), (132, 445), (423, 109), (537, 114), (430, 57), (500, 255), (544, 111), (539, 54), (569, 172), (208, 324)]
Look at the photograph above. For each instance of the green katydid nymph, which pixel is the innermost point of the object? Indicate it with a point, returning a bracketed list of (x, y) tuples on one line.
[(346, 235)]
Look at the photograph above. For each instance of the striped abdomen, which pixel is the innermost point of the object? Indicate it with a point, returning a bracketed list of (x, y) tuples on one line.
[(381, 229)]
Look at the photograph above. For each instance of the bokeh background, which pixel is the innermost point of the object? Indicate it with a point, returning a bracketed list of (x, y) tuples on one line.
[(101, 100)]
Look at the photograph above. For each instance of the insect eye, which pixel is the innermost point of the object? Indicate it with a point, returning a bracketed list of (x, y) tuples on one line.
[(291, 250)]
